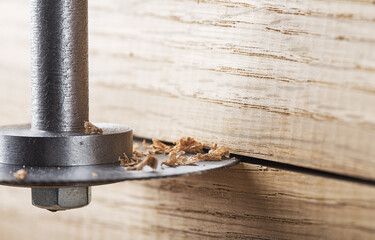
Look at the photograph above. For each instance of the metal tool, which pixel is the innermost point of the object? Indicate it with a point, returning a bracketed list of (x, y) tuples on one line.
[(60, 159)]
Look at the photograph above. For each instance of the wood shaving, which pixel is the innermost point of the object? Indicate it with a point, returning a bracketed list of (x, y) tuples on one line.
[(188, 145), (150, 160), (139, 154), (145, 145), (175, 158), (127, 162), (137, 159), (20, 174), (92, 129), (94, 175), (124, 161), (215, 154), (175, 154), (160, 147)]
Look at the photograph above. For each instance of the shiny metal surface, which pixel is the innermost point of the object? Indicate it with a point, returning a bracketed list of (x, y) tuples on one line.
[(100, 174), (59, 65), (60, 199), (22, 146)]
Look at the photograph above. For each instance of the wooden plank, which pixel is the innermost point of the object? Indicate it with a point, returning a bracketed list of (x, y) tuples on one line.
[(244, 202), (288, 81)]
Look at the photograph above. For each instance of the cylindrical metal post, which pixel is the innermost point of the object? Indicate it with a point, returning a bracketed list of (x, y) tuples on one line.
[(59, 65), (59, 81)]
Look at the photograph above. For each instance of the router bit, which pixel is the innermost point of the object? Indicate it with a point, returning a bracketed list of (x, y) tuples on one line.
[(60, 103), (62, 161)]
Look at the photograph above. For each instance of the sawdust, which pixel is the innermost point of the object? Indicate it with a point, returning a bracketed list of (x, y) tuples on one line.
[(139, 154), (150, 160), (20, 174), (125, 161), (160, 147), (136, 159), (94, 175), (92, 129), (188, 145), (215, 154), (175, 159), (176, 154)]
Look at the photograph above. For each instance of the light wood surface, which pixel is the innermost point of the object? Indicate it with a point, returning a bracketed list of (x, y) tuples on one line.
[(245, 202), (288, 81)]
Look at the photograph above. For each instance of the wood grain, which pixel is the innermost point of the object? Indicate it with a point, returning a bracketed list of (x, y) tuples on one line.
[(244, 202), (288, 81)]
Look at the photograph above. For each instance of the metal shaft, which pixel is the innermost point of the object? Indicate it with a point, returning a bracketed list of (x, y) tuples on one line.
[(59, 83), (59, 65)]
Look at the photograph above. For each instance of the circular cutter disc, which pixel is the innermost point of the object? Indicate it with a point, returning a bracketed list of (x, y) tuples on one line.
[(63, 159), (100, 174)]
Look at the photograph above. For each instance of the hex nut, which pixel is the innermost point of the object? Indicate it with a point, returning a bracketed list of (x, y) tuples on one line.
[(59, 199)]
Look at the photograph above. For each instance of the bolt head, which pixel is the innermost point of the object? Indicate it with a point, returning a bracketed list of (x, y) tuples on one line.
[(59, 199)]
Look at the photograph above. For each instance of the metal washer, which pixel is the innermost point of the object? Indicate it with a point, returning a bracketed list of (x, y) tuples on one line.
[(19, 145)]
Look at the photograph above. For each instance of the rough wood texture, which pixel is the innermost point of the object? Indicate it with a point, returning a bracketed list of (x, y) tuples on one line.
[(245, 202), (289, 81)]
